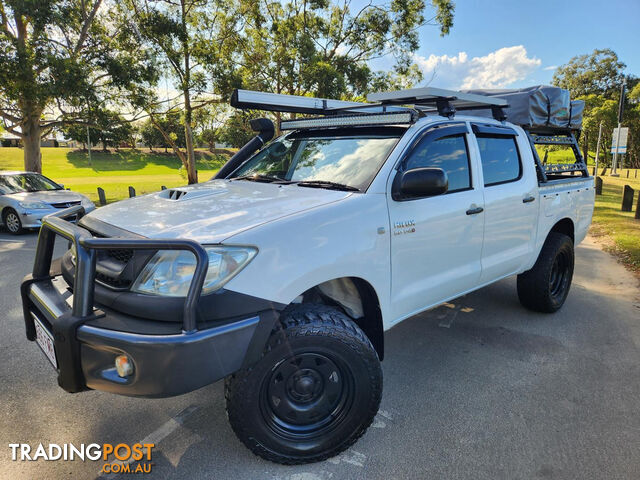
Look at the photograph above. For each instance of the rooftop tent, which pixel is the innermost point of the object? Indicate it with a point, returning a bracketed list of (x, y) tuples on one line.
[(539, 106)]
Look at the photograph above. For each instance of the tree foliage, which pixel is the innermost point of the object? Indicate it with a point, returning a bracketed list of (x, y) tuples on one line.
[(599, 72), (107, 128), (170, 125), (596, 78), (236, 130), (324, 48), (183, 34), (56, 57)]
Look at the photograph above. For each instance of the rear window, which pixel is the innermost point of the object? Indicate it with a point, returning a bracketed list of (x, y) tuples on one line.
[(500, 159)]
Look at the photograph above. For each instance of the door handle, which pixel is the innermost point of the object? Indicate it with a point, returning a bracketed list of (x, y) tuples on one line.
[(475, 211), (528, 199)]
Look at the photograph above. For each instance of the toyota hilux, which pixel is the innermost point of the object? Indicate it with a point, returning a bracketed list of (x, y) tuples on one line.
[(282, 273)]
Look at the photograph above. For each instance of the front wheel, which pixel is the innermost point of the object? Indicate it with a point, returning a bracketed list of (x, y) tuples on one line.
[(12, 221), (545, 287), (315, 391)]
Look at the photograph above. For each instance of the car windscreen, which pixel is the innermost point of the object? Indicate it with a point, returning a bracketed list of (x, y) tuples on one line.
[(26, 182), (348, 159)]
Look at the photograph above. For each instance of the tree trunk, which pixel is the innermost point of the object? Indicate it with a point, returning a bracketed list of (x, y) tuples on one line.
[(192, 174), (31, 141)]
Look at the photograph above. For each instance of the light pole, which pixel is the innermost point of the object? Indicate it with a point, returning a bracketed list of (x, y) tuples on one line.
[(598, 148), (614, 166)]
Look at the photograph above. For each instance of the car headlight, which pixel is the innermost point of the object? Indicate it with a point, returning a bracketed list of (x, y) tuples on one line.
[(34, 205), (169, 272)]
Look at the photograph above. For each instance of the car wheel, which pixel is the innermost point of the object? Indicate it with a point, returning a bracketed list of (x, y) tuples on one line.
[(12, 221), (314, 392), (545, 287)]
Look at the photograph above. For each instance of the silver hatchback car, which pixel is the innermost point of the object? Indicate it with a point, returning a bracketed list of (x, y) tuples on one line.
[(26, 197)]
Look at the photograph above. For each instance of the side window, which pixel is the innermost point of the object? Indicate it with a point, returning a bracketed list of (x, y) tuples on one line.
[(500, 159), (448, 153)]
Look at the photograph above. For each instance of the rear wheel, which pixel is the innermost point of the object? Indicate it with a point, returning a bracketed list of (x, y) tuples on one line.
[(315, 391), (545, 287), (12, 221)]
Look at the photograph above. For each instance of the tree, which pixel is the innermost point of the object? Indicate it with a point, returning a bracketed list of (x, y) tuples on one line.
[(207, 121), (596, 78), (164, 131), (323, 48), (55, 57), (108, 128), (181, 32), (599, 73), (235, 131)]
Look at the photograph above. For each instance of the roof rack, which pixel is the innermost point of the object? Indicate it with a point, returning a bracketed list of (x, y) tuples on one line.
[(557, 136), (445, 102), (427, 99)]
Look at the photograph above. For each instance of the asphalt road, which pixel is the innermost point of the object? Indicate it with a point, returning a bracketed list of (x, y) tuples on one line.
[(479, 389)]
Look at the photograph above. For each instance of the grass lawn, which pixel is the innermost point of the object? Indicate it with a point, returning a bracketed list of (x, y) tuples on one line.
[(621, 227), (144, 170)]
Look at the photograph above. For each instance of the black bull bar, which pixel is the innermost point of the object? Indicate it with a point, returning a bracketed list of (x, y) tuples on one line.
[(67, 346)]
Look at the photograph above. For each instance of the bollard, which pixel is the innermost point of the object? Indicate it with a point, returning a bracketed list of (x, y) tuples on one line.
[(598, 185), (132, 192), (102, 197), (627, 173), (163, 187), (604, 171), (594, 171), (627, 198), (638, 208)]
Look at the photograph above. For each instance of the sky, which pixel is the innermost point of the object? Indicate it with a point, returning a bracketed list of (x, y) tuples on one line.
[(518, 43)]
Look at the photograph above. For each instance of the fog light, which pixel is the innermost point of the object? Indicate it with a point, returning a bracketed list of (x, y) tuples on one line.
[(124, 366)]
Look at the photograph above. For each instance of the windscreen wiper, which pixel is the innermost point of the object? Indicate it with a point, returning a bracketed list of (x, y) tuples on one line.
[(261, 178), (327, 184)]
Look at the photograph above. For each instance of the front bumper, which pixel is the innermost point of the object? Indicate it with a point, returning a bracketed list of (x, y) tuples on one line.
[(168, 358)]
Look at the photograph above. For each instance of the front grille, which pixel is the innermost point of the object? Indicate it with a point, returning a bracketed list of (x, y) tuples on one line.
[(112, 282), (121, 255), (65, 204)]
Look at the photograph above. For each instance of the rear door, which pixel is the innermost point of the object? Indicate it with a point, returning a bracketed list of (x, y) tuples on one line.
[(436, 241), (510, 202)]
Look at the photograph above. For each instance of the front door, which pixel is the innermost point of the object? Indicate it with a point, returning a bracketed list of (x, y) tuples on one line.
[(436, 242)]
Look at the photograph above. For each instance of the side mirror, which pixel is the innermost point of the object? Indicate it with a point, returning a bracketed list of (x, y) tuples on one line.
[(420, 182)]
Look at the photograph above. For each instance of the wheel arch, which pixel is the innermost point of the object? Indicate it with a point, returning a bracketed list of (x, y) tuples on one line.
[(370, 322), (566, 227)]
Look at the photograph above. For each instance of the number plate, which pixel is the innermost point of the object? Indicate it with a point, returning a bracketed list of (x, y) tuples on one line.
[(45, 341)]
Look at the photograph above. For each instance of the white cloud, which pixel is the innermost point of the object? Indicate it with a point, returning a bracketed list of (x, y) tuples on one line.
[(550, 67), (497, 69)]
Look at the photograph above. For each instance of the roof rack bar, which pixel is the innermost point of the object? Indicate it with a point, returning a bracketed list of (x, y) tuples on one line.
[(277, 102), (446, 102)]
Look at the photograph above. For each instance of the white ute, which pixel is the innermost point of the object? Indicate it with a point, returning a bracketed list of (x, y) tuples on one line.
[(282, 273)]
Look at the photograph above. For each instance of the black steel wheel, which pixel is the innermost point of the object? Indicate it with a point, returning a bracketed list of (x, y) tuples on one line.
[(545, 287), (12, 221), (315, 391)]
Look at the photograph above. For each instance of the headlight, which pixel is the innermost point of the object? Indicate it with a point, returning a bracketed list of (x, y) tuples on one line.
[(34, 205), (169, 272)]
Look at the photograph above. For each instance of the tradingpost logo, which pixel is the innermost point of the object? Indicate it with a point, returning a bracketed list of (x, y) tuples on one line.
[(118, 458)]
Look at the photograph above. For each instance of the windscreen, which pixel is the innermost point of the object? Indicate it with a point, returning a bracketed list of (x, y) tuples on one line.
[(352, 160), (26, 182)]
